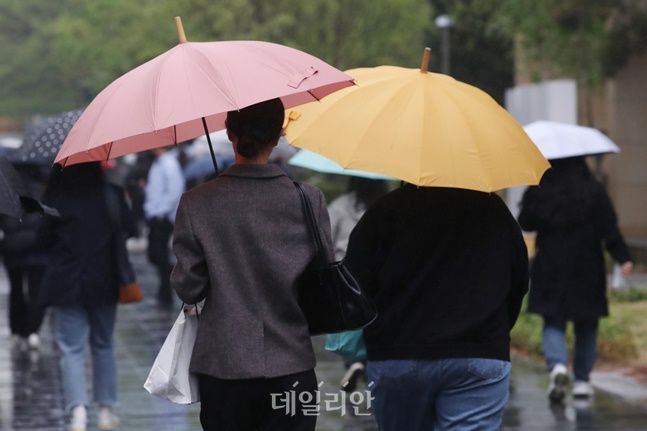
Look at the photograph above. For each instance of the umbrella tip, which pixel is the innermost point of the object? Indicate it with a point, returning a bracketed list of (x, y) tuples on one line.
[(180, 30), (426, 56)]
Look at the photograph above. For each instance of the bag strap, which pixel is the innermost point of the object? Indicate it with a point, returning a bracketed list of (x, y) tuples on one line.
[(313, 226)]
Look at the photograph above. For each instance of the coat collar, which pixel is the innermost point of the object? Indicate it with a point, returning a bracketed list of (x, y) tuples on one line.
[(268, 170)]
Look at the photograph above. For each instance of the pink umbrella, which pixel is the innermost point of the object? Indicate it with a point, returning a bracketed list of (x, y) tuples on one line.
[(187, 91)]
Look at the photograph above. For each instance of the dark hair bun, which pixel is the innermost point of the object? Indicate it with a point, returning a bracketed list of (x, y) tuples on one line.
[(257, 126)]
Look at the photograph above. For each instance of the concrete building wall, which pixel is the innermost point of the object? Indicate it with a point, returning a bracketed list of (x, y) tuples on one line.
[(552, 100), (626, 118)]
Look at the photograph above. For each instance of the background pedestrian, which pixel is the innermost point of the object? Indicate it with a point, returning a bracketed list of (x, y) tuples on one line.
[(164, 188), (574, 219), (80, 285), (25, 258)]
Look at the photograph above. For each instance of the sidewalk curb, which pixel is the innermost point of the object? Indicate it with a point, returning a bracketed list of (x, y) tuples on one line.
[(618, 383)]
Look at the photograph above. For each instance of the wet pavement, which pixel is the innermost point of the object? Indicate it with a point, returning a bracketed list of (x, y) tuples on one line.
[(30, 390)]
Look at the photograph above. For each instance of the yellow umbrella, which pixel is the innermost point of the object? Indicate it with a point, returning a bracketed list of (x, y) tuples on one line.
[(424, 128)]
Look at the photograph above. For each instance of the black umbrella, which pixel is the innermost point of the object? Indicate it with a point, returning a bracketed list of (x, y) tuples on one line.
[(42, 140), (15, 198)]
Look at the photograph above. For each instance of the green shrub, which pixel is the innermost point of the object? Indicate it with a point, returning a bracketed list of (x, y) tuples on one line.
[(631, 294), (616, 341), (526, 334)]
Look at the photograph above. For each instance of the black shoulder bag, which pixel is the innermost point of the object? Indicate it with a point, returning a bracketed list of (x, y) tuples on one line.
[(329, 295)]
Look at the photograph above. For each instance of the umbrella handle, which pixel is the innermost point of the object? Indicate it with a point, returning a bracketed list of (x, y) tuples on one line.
[(180, 30)]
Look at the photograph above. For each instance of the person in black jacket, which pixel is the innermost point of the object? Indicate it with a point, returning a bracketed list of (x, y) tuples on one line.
[(25, 260), (573, 217), (447, 269), (81, 286)]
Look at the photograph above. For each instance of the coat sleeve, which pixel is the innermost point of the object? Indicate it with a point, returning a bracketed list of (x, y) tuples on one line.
[(528, 219), (128, 225), (190, 276), (611, 235), (520, 276), (47, 229), (363, 253)]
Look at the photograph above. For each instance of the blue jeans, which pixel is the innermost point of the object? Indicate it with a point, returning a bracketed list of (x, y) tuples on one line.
[(72, 327), (555, 351), (446, 394)]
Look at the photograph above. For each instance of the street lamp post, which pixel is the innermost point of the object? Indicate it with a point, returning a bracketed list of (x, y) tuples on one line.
[(444, 23)]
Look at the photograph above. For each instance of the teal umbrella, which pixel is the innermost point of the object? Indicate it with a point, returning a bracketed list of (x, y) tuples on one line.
[(309, 160)]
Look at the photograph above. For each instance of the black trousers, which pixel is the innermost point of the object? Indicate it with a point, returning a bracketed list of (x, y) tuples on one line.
[(242, 405), (159, 234), (25, 314)]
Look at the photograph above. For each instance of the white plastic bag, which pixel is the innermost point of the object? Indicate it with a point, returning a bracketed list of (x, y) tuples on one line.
[(169, 377)]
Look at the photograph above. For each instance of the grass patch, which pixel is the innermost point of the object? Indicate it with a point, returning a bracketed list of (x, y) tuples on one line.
[(526, 334), (632, 318), (622, 337)]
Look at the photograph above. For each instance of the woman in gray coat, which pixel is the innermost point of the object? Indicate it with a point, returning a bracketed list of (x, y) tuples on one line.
[(242, 244)]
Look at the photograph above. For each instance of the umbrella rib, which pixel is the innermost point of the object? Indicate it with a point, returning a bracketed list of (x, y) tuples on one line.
[(157, 89), (424, 125), (471, 132), (267, 61), (229, 97), (368, 128), (118, 83)]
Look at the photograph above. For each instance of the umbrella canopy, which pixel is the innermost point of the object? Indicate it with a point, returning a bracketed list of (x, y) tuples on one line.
[(316, 162), (9, 199), (15, 199), (424, 128), (43, 139), (189, 88), (560, 140)]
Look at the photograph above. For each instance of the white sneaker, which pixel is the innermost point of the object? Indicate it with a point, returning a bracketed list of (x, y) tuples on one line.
[(559, 381), (106, 419), (33, 341), (78, 419), (582, 390)]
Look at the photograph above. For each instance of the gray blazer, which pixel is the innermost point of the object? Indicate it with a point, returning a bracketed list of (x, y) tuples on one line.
[(241, 243)]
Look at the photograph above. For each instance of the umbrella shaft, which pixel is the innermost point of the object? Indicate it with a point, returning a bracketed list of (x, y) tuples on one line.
[(213, 155)]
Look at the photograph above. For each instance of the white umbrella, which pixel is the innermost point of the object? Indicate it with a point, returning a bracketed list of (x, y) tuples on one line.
[(220, 141), (560, 140)]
